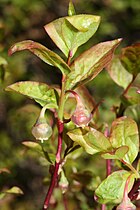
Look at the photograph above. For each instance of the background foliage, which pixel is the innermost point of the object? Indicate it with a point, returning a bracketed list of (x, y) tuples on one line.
[(20, 20)]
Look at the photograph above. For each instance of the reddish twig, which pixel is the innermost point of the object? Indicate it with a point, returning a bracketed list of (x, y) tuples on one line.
[(57, 166)]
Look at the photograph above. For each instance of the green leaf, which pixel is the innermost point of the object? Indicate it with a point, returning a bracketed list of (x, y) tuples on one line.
[(131, 97), (70, 32), (118, 73), (133, 112), (118, 154), (40, 92), (63, 182), (90, 63), (3, 65), (14, 190), (112, 188), (43, 53), (86, 97), (92, 141), (38, 148), (2, 195), (124, 132), (87, 179), (130, 58), (33, 145), (71, 9)]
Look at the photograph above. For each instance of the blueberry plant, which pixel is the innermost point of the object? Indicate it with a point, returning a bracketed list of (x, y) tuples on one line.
[(75, 114)]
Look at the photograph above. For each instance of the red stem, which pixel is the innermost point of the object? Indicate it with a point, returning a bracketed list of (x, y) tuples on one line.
[(130, 84), (65, 202), (108, 161), (60, 126), (103, 207), (108, 167), (125, 195)]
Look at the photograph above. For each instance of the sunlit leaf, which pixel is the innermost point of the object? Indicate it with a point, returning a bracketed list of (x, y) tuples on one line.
[(119, 153), (92, 141), (33, 145), (130, 58), (40, 92), (118, 73), (70, 32), (124, 132), (112, 188), (14, 190), (71, 9), (78, 136), (90, 63), (42, 52), (4, 170)]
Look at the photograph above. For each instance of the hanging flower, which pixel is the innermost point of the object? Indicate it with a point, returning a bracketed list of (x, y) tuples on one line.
[(42, 130), (81, 116)]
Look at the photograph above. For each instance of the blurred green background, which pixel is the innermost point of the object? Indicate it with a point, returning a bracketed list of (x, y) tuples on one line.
[(24, 19)]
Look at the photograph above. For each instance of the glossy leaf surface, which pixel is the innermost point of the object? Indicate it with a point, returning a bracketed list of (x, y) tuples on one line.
[(70, 32), (43, 53), (92, 141), (40, 92), (118, 73), (130, 58), (112, 188), (90, 63), (14, 190), (124, 132)]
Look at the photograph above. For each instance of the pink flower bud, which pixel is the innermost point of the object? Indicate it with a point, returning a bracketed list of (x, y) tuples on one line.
[(81, 116)]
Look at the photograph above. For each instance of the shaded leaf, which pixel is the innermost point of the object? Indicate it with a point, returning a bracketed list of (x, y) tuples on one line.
[(118, 73), (124, 132), (42, 52), (131, 97), (86, 97), (119, 153), (63, 182), (133, 112), (112, 188), (87, 179), (90, 63), (14, 190), (3, 64), (40, 92), (71, 9), (92, 141), (70, 32), (38, 148), (2, 195), (130, 58)]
